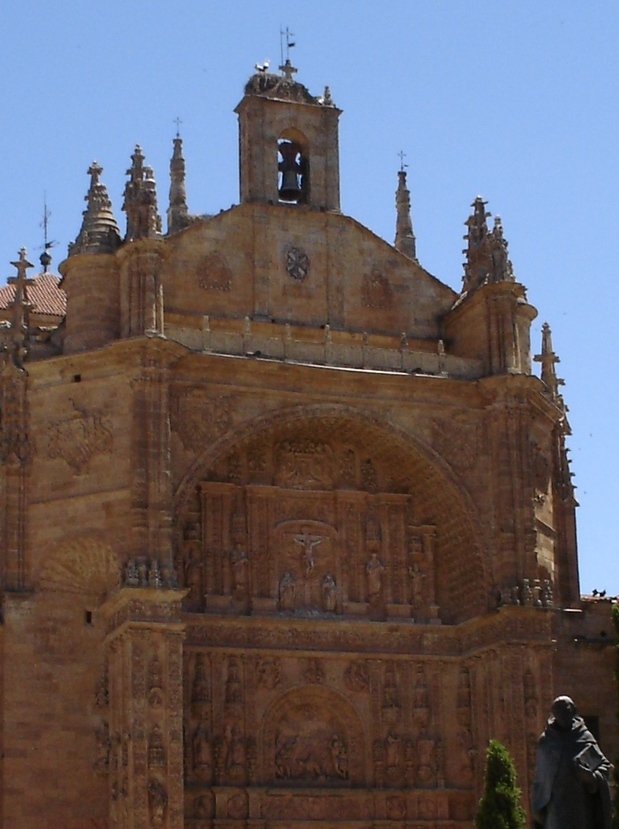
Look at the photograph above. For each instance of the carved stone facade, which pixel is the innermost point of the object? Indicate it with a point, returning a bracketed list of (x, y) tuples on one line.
[(287, 524)]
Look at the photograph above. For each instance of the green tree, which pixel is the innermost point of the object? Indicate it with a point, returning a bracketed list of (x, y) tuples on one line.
[(499, 807), (615, 612)]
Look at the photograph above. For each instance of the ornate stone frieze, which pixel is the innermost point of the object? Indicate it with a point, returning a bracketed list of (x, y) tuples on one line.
[(79, 438)]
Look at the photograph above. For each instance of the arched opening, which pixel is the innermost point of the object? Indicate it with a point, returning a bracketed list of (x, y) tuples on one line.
[(293, 168)]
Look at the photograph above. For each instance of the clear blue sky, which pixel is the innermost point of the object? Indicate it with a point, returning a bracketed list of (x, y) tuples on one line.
[(513, 99)]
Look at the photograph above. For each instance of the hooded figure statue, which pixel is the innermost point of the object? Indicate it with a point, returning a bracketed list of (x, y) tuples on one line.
[(570, 786)]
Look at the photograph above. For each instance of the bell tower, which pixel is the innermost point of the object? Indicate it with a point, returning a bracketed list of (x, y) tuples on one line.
[(288, 143)]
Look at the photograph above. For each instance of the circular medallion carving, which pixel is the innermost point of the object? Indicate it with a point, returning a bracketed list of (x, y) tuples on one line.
[(297, 263)]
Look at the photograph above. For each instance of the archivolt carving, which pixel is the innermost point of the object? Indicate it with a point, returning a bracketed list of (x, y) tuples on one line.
[(313, 735), (82, 565)]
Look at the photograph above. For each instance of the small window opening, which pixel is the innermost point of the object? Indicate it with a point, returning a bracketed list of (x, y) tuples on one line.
[(293, 172), (88, 617), (77, 378)]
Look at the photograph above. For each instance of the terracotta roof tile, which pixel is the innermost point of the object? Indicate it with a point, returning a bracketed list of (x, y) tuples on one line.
[(46, 295)]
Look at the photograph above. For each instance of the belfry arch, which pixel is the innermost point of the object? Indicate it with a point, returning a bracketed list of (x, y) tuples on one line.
[(402, 539)]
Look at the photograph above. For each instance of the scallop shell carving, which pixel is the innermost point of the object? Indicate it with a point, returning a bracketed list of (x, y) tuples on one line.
[(81, 565)]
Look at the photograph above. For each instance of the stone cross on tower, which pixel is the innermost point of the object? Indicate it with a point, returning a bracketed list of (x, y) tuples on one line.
[(20, 308), (288, 70)]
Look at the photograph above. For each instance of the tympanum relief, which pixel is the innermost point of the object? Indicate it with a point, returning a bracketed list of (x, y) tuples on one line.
[(296, 526)]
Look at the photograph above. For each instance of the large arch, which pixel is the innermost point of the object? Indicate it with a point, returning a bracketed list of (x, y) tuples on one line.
[(401, 464)]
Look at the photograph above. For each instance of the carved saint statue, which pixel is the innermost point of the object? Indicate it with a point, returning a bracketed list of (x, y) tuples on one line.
[(339, 755), (329, 593), (202, 752), (287, 591), (240, 573), (570, 787), (374, 570)]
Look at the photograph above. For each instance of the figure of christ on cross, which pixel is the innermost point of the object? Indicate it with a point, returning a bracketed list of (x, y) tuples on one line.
[(307, 542)]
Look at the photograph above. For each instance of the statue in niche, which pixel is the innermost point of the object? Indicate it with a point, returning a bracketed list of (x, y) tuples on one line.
[(421, 696), (467, 749), (339, 756), (287, 591), (570, 786), (374, 570), (234, 753), (417, 577), (234, 686), (268, 673), (284, 755), (329, 593), (426, 753), (307, 542), (202, 752), (102, 758), (200, 690), (393, 753), (357, 677), (192, 564), (239, 564), (157, 801)]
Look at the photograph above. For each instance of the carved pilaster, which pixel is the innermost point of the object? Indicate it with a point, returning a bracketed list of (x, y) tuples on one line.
[(145, 708), (141, 288)]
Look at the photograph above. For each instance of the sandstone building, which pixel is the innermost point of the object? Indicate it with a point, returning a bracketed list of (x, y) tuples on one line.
[(287, 523)]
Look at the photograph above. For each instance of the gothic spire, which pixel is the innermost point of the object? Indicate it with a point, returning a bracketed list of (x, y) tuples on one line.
[(20, 309), (99, 232), (178, 216), (404, 236), (548, 360), (500, 265), (140, 203)]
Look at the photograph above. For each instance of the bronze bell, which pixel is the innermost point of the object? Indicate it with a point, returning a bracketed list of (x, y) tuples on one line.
[(290, 190)]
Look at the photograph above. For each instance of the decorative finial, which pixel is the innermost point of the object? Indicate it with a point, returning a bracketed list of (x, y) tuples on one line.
[(402, 156), (178, 123), (404, 236), (327, 100), (548, 360), (140, 203), (20, 309), (99, 232)]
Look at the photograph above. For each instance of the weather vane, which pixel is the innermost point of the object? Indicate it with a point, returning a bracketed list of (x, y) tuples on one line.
[(45, 258), (402, 156)]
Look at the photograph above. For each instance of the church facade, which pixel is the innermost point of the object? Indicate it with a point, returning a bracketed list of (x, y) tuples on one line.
[(288, 526)]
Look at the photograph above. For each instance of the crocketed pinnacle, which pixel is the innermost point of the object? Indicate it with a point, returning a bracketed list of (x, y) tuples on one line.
[(404, 236), (140, 203), (99, 232), (178, 216), (486, 252), (548, 360)]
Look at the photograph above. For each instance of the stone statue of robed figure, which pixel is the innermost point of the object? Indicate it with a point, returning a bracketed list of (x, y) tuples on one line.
[(570, 787)]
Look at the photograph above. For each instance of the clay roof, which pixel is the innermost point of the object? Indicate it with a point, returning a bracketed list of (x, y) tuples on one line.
[(45, 295)]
